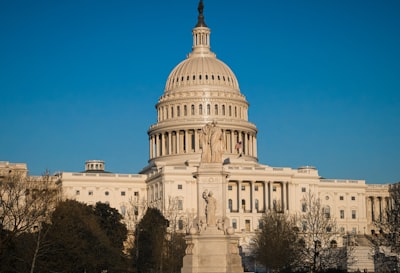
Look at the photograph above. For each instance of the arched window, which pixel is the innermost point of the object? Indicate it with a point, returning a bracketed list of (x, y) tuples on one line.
[(327, 212), (185, 110), (230, 205), (192, 110), (200, 109), (244, 204), (208, 109), (223, 109), (234, 223), (216, 109), (178, 111)]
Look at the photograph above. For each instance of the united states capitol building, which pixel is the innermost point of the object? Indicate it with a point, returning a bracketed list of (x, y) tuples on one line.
[(203, 90)]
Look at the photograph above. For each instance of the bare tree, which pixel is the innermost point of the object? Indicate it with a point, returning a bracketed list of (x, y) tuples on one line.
[(25, 203), (318, 246)]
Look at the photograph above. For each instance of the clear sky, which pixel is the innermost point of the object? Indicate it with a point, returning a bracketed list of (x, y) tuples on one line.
[(79, 79)]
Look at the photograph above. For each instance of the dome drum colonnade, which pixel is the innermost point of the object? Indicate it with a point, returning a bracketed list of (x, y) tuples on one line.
[(200, 90)]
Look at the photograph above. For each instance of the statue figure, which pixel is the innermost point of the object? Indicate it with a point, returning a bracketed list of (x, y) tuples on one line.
[(211, 206), (212, 143), (217, 143)]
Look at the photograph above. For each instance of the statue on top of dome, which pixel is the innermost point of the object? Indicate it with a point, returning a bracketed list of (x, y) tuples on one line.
[(200, 22)]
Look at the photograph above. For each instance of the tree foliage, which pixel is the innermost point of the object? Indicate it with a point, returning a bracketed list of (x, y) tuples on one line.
[(150, 237), (274, 246)]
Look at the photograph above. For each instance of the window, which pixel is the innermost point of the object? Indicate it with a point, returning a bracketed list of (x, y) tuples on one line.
[(179, 186), (273, 188), (180, 204), (123, 193), (123, 210), (243, 204), (234, 223), (192, 110), (341, 229), (247, 224), (185, 110), (200, 109), (223, 110), (353, 198), (304, 207), (77, 192), (303, 189), (353, 214), (243, 188), (341, 198), (256, 204), (333, 244), (180, 224), (327, 212), (229, 187), (90, 193), (341, 214), (106, 193), (178, 111), (208, 109), (256, 188), (136, 193), (216, 109), (230, 204)]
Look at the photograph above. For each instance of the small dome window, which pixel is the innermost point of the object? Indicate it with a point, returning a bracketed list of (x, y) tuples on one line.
[(212, 76), (223, 77), (187, 78), (200, 77), (194, 77), (206, 77), (219, 78), (182, 79), (177, 79)]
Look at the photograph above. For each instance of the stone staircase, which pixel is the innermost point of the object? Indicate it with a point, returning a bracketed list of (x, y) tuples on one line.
[(362, 256)]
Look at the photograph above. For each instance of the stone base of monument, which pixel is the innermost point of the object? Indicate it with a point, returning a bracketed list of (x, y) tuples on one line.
[(212, 251)]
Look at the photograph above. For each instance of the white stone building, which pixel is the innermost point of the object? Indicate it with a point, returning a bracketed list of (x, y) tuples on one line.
[(202, 89)]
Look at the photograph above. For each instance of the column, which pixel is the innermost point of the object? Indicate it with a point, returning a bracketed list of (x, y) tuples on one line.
[(151, 147), (178, 144), (162, 152), (186, 142), (269, 195), (283, 196), (255, 146), (196, 140), (169, 143)]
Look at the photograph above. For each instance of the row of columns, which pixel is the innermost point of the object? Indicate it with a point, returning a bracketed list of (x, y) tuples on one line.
[(378, 206), (188, 141), (268, 201)]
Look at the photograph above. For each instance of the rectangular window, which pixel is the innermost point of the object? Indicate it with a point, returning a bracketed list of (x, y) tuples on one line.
[(341, 198), (353, 198), (247, 224), (234, 223), (123, 193), (341, 214), (90, 192), (180, 204), (256, 188), (303, 189), (243, 188), (273, 188), (229, 187), (136, 193), (353, 214), (77, 192), (179, 186)]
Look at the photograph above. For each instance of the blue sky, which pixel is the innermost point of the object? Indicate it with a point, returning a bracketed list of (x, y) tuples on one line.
[(79, 80)]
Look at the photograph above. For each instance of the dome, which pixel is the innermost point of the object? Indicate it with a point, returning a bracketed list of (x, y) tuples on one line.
[(201, 70)]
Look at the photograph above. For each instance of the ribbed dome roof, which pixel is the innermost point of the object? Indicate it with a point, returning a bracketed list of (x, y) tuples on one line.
[(201, 70), (201, 66)]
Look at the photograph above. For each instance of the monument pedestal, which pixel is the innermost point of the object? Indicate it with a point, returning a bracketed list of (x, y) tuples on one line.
[(212, 252), (212, 246)]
